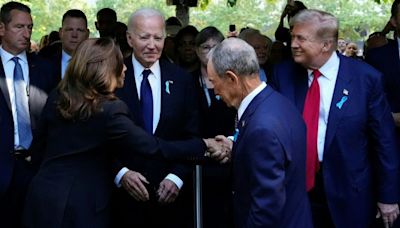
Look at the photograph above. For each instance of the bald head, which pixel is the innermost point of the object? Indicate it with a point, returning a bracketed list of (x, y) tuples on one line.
[(235, 55), (143, 13)]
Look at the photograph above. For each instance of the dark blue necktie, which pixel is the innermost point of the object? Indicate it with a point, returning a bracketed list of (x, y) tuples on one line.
[(21, 104), (146, 102)]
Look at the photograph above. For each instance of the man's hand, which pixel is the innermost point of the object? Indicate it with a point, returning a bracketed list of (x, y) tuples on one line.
[(133, 183), (217, 150), (396, 117), (167, 191), (389, 213), (227, 145)]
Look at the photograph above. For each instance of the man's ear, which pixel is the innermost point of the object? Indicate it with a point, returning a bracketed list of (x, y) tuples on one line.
[(97, 27), (87, 33), (2, 29), (129, 39), (327, 45), (231, 76)]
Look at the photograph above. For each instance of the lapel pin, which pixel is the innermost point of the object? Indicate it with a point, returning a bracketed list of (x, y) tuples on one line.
[(341, 102), (167, 83), (236, 135), (345, 92)]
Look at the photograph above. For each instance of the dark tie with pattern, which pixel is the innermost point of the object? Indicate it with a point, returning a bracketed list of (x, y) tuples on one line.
[(311, 116), (146, 102), (21, 104)]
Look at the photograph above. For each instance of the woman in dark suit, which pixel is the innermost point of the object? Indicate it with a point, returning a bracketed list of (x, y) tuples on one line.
[(85, 127)]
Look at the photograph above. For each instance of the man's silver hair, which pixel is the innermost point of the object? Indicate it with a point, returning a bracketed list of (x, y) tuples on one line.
[(327, 24), (235, 55), (144, 12)]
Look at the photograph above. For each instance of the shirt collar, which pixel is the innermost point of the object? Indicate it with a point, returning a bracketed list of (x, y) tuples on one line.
[(138, 68), (65, 57), (8, 56), (327, 70), (247, 100)]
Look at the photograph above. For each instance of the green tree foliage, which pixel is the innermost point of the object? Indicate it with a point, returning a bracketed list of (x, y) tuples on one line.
[(357, 18)]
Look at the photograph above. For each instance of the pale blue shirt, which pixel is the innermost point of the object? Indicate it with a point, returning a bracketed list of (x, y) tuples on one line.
[(327, 82), (65, 58), (9, 65), (155, 84)]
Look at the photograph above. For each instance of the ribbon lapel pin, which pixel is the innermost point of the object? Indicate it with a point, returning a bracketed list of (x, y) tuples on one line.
[(167, 83), (344, 99)]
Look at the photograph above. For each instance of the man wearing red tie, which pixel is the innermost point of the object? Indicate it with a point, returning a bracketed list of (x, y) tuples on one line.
[(352, 159)]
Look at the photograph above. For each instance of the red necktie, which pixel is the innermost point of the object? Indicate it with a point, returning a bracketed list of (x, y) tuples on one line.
[(311, 116)]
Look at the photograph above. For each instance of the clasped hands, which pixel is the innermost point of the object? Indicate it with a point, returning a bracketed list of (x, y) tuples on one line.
[(219, 148), (134, 183)]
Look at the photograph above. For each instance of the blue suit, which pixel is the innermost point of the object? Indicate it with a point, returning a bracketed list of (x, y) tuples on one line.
[(16, 173), (386, 59), (178, 120), (269, 165), (360, 164)]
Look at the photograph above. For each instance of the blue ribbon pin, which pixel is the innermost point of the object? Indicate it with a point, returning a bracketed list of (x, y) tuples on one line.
[(167, 86), (236, 135), (341, 102)]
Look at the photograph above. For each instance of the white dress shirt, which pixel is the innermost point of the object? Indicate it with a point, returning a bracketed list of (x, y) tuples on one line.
[(9, 65), (327, 82), (65, 58), (246, 101), (155, 84)]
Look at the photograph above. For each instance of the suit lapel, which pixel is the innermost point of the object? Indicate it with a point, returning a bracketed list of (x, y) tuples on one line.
[(130, 92), (166, 99), (335, 113), (243, 122), (32, 76), (3, 85)]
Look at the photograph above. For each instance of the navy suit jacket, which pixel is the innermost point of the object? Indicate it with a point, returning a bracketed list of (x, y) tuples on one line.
[(41, 78), (269, 165), (178, 120), (74, 182), (361, 159), (386, 59)]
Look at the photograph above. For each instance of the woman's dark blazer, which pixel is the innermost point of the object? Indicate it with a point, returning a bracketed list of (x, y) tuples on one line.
[(72, 186)]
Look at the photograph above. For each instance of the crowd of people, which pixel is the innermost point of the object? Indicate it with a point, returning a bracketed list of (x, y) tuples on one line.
[(295, 131)]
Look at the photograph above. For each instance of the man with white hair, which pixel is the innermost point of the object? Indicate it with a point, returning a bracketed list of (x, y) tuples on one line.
[(269, 150), (162, 99), (352, 156)]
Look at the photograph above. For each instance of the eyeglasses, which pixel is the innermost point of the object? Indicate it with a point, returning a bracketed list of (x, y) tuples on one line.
[(206, 48)]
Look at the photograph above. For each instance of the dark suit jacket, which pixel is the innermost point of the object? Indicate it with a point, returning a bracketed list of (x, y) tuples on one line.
[(72, 187), (360, 165), (386, 59), (178, 119), (269, 165), (216, 119), (41, 83)]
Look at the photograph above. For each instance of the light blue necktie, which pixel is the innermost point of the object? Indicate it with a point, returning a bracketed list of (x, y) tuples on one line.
[(21, 104), (146, 102)]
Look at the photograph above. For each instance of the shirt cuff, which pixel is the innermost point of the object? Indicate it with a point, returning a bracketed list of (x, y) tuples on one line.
[(121, 173), (174, 178)]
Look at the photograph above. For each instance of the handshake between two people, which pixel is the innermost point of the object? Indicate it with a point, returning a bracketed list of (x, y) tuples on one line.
[(219, 148)]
